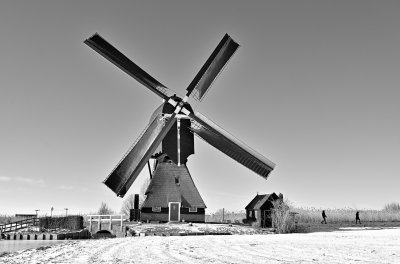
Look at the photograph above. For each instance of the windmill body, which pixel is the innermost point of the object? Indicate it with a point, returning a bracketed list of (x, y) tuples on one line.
[(169, 138), (172, 185), (172, 194)]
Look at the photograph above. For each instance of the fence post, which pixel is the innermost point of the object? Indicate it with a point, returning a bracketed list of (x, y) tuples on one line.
[(110, 223), (121, 224), (99, 224), (90, 223)]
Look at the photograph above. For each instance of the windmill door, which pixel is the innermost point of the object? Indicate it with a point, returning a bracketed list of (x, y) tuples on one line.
[(267, 218), (174, 211)]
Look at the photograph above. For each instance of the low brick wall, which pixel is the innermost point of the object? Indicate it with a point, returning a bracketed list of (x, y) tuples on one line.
[(83, 234)]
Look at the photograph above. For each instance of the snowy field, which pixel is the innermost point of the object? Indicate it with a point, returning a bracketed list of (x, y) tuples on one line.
[(355, 245)]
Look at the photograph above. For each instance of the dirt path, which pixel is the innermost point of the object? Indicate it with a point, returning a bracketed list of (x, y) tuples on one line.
[(355, 246)]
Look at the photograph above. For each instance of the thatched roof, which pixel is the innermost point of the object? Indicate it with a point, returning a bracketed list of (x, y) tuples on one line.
[(260, 199)]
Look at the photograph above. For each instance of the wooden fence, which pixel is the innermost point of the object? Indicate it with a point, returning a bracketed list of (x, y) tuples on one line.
[(12, 227)]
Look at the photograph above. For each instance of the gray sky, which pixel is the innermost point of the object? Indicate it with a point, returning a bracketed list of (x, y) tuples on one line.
[(314, 87)]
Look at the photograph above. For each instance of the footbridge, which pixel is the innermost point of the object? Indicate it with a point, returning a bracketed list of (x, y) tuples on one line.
[(111, 223)]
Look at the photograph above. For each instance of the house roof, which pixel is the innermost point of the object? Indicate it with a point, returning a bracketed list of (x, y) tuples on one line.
[(172, 183), (260, 199)]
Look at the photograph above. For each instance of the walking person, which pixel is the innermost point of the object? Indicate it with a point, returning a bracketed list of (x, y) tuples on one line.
[(324, 217), (358, 218)]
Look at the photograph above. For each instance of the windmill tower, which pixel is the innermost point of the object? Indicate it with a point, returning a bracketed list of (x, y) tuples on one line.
[(172, 194)]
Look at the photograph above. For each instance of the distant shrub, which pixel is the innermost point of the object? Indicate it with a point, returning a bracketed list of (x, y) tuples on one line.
[(128, 205), (72, 222), (105, 210)]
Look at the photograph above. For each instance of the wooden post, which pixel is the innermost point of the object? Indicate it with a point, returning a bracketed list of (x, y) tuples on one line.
[(121, 224), (90, 223), (99, 224), (110, 223)]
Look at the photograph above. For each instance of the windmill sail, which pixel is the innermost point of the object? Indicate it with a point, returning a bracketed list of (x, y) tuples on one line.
[(213, 66), (126, 172), (177, 143), (109, 52), (231, 146)]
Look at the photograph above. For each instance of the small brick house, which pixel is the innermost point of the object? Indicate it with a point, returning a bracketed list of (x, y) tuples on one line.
[(258, 211), (172, 195)]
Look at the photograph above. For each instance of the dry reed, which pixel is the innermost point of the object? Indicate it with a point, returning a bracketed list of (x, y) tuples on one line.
[(282, 219), (225, 216), (314, 215)]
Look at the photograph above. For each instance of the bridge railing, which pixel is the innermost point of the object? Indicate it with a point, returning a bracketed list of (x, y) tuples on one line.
[(105, 218), (5, 228)]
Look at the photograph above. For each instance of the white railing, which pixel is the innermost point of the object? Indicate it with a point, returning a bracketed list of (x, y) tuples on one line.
[(104, 218), (18, 225)]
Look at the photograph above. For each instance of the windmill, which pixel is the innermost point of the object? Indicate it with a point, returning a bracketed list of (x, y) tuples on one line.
[(172, 195)]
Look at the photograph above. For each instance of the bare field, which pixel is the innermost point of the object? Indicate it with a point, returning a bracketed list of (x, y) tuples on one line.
[(348, 245)]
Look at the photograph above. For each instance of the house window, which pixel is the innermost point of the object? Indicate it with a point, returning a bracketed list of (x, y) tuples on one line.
[(156, 209), (193, 210)]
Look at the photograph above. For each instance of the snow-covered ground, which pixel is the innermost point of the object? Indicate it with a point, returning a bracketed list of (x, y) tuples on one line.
[(197, 228), (348, 246)]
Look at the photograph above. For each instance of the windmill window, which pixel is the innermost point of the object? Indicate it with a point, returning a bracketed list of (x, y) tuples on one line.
[(176, 180), (156, 209), (193, 210)]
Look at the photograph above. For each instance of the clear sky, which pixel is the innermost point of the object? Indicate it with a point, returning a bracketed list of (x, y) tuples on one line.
[(314, 87)]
